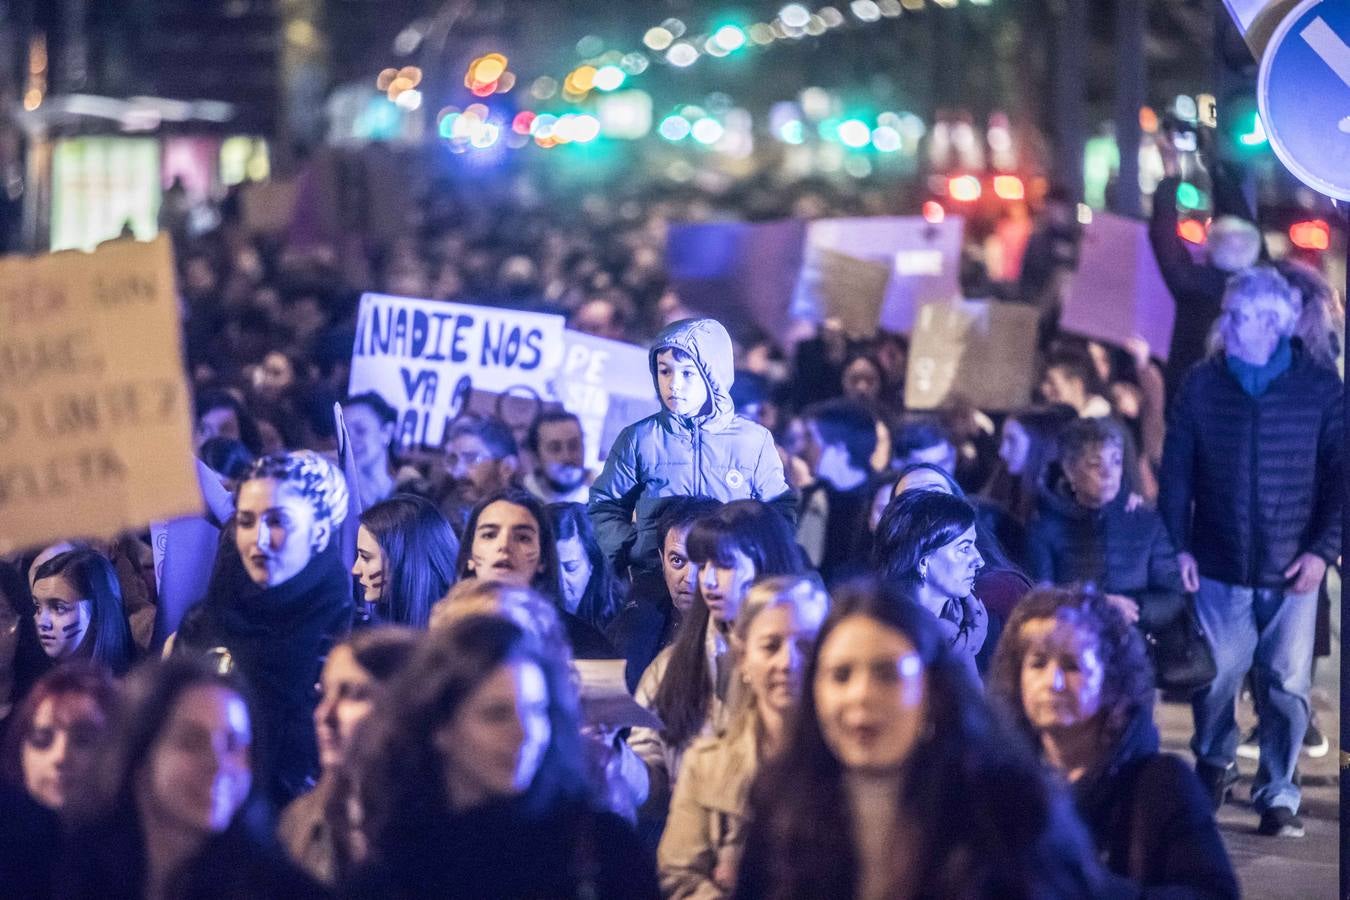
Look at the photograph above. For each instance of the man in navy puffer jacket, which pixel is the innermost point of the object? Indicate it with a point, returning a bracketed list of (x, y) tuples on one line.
[(1251, 492)]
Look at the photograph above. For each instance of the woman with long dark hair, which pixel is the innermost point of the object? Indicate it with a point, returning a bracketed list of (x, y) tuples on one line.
[(77, 610), (406, 553), (591, 590), (896, 782), (473, 780), (926, 546), (686, 685), (175, 810), (1026, 447), (509, 538), (370, 426), (1076, 679), (278, 600)]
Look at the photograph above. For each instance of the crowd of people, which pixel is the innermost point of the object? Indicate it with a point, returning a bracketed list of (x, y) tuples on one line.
[(844, 650)]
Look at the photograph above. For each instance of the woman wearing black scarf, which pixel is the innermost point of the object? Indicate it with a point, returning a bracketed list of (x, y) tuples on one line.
[(279, 599)]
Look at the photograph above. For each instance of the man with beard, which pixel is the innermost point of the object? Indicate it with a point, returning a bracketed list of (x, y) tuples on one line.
[(481, 458), (555, 442)]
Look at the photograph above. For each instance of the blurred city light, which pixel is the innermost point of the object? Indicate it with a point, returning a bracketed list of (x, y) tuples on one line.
[(707, 131), (1314, 234), (886, 139), (933, 211), (674, 128), (794, 15), (964, 188), (792, 132), (865, 10), (729, 38), (409, 100), (1192, 230), (1009, 187), (658, 38), (682, 54), (609, 78), (854, 133)]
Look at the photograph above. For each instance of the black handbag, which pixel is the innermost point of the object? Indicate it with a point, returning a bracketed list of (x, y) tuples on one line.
[(1183, 660)]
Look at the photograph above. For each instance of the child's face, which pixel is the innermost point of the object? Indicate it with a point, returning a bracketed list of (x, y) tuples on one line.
[(680, 383)]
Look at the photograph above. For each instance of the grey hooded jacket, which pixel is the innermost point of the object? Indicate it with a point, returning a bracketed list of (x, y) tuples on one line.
[(712, 454)]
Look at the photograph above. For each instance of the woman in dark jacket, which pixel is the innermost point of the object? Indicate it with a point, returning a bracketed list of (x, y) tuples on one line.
[(473, 782), (1090, 528), (176, 810), (1075, 677), (279, 599)]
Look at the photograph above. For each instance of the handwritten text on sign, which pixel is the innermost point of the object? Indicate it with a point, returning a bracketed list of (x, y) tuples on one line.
[(95, 426), (424, 356)]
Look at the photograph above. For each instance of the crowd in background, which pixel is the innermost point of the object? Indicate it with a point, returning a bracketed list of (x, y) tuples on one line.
[(870, 652)]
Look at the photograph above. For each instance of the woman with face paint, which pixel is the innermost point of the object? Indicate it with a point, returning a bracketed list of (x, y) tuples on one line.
[(473, 781), (591, 590), (705, 831), (686, 685), (278, 600), (317, 829), (51, 745), (1077, 680), (509, 538), (925, 544), (77, 610), (174, 810), (405, 559), (896, 782)]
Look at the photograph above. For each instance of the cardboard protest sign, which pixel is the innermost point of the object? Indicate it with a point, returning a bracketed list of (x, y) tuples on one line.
[(980, 351), (923, 258), (846, 288), (1118, 291), (605, 700), (741, 273), (95, 421), (427, 358), (597, 375)]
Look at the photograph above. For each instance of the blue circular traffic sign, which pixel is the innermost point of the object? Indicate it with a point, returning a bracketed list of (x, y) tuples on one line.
[(1303, 91)]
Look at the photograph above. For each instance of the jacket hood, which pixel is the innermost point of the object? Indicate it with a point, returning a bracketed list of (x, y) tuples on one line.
[(1138, 740), (706, 342)]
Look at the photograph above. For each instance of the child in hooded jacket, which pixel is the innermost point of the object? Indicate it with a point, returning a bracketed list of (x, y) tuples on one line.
[(695, 446)]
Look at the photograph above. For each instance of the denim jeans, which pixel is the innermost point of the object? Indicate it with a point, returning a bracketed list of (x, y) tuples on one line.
[(1271, 633)]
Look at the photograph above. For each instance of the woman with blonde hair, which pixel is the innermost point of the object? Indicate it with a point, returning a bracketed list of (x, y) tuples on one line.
[(772, 639)]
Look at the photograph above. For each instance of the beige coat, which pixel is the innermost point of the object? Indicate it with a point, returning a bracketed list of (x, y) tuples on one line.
[(701, 847), (662, 759)]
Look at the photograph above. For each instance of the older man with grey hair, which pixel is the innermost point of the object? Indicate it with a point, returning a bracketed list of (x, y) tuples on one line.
[(1251, 493)]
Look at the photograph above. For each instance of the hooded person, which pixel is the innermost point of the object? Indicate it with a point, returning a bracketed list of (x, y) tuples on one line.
[(279, 598), (695, 445)]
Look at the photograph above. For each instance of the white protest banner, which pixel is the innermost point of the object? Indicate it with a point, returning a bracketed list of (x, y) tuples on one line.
[(1118, 291), (975, 350), (924, 259), (95, 421), (595, 374), (426, 357)]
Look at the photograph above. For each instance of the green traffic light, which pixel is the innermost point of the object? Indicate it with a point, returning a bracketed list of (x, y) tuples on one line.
[(1255, 136)]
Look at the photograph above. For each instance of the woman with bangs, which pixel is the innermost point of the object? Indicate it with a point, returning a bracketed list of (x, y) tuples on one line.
[(686, 685)]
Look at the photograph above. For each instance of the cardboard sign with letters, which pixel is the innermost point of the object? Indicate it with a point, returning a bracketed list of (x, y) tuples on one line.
[(598, 376), (980, 351), (427, 358), (95, 419)]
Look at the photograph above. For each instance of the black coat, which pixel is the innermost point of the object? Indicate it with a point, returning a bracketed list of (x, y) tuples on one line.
[(1249, 483), (1152, 821), (1122, 551), (107, 859), (277, 639), (501, 851), (644, 627), (30, 837)]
